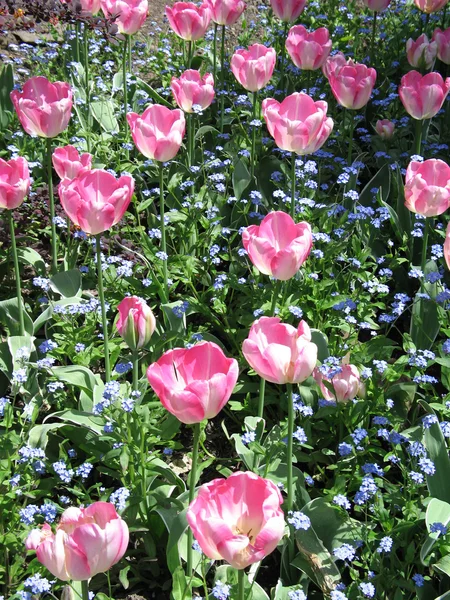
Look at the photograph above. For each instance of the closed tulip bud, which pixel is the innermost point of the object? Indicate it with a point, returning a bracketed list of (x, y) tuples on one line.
[(427, 187), (421, 53), (442, 39), (253, 68), (14, 182), (377, 5), (191, 89), (188, 20), (430, 6), (346, 384), (136, 322), (447, 246), (308, 51), (351, 83), (288, 10), (385, 129), (67, 593), (128, 15), (68, 163), (226, 12), (423, 95)]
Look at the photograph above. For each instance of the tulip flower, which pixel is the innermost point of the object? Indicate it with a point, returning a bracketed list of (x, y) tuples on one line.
[(442, 39), (421, 53), (191, 89), (238, 519), (377, 5), (87, 541), (423, 95), (346, 383), (14, 182), (128, 15), (226, 12), (68, 163), (188, 20), (308, 51), (351, 83), (427, 187), (430, 6), (278, 246), (136, 322), (90, 7), (447, 246), (195, 383), (333, 63), (385, 129), (287, 10), (253, 68)]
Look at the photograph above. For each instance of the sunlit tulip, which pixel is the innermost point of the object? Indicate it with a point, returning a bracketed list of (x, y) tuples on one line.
[(14, 182), (253, 68), (442, 39), (421, 53), (128, 15), (430, 6), (191, 89), (68, 163), (447, 246), (423, 95), (288, 10), (346, 384), (308, 51), (351, 83), (188, 20), (377, 5), (226, 12), (136, 322), (427, 187)]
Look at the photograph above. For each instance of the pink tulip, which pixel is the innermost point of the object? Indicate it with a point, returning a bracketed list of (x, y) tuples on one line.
[(226, 12), (90, 7), (333, 63), (253, 68), (298, 124), (442, 39), (238, 519), (423, 95), (385, 129), (278, 246), (87, 541), (421, 53), (96, 200), (346, 384), (288, 10), (447, 247), (377, 5), (195, 383), (128, 15), (427, 187), (68, 163), (14, 182), (43, 108), (430, 6), (136, 322), (279, 352), (188, 20), (193, 89), (351, 83), (308, 51), (158, 132)]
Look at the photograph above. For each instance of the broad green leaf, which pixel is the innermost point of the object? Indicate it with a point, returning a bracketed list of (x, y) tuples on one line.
[(67, 283), (443, 565), (382, 181), (321, 341), (78, 376), (9, 316), (180, 587), (38, 436), (15, 342), (437, 512), (103, 111), (151, 92), (78, 417), (241, 178), (28, 256), (6, 87), (434, 442)]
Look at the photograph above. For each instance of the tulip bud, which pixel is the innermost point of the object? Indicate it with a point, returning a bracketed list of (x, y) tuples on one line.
[(136, 322), (421, 53), (385, 129)]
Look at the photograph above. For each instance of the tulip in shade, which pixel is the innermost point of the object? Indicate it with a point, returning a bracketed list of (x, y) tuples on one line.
[(87, 541), (442, 39), (308, 51), (427, 187), (351, 83), (377, 5), (253, 68), (421, 53), (278, 246), (14, 182), (430, 6), (226, 12), (90, 7), (298, 124), (136, 322), (238, 519), (288, 10), (423, 95), (195, 383), (447, 246), (128, 15), (188, 20), (346, 384), (385, 129), (68, 163), (43, 108), (158, 132), (96, 200), (280, 353), (193, 89)]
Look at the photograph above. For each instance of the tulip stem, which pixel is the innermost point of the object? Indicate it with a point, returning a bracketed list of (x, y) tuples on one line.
[(189, 54), (101, 295), (86, 85), (77, 40), (16, 272), (262, 391), (252, 158), (125, 89), (192, 482), (241, 584), (283, 55), (426, 232), (308, 81), (374, 31), (418, 137), (163, 231), (222, 79), (215, 53), (293, 158), (85, 590), (190, 137), (350, 139), (52, 206), (135, 360), (290, 447)]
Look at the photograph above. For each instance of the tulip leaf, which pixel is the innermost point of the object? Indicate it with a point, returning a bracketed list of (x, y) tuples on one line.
[(28, 256), (19, 341), (241, 178), (332, 526), (9, 317), (78, 417), (436, 446), (38, 436), (181, 590), (151, 92), (321, 341), (78, 376), (103, 111), (67, 283), (437, 512)]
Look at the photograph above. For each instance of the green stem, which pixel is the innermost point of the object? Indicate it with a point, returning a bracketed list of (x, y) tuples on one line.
[(77, 41), (101, 296), (444, 14), (189, 117), (130, 60), (192, 481), (426, 233), (276, 293), (86, 85), (215, 53), (293, 157), (418, 137), (283, 55), (241, 584), (189, 53), (350, 139), (125, 89), (135, 360), (252, 158), (290, 489), (308, 81), (85, 590), (372, 44), (52, 206), (16, 272), (163, 230), (222, 79), (262, 391), (427, 20)]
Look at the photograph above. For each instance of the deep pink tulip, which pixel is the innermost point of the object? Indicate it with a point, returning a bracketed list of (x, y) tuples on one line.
[(346, 384), (238, 519), (377, 5), (90, 7), (158, 132), (288, 10), (430, 6), (298, 124), (96, 200), (351, 83), (278, 246), (68, 163), (192, 89), (226, 12), (253, 68), (14, 182), (421, 53), (87, 541), (385, 129), (43, 108), (195, 383), (308, 51), (442, 39), (136, 322), (280, 353), (188, 20), (447, 246), (423, 95), (427, 187), (129, 15)]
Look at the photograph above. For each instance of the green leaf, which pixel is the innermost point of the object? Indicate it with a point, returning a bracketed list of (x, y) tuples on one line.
[(434, 442), (123, 577), (78, 376), (437, 512), (332, 526), (151, 92), (67, 283), (78, 417), (443, 565), (9, 316), (38, 436), (103, 111), (19, 341), (176, 527), (241, 178), (382, 181), (180, 587), (6, 87), (28, 256), (321, 341), (204, 130)]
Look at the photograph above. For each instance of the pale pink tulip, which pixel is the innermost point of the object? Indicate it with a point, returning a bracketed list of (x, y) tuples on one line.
[(87, 541), (351, 83), (253, 68), (288, 10), (14, 182), (90, 7), (158, 132), (188, 20), (68, 163), (194, 383), (128, 15), (96, 200), (43, 108), (385, 129), (377, 5), (442, 39), (298, 124), (238, 519), (346, 384), (421, 53), (226, 12), (427, 187), (430, 6), (308, 51), (280, 353), (447, 246), (192, 89), (423, 95), (333, 63), (136, 322), (278, 246)]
